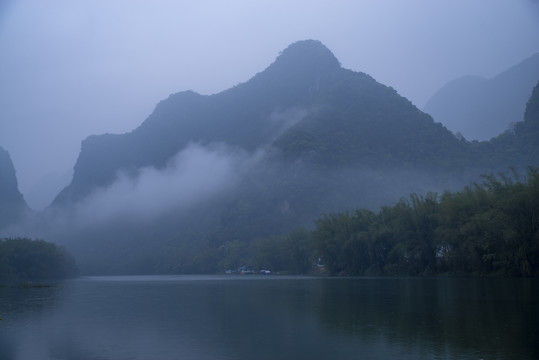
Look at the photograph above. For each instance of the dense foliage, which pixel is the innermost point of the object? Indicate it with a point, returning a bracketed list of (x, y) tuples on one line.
[(23, 259), (488, 228), (491, 227)]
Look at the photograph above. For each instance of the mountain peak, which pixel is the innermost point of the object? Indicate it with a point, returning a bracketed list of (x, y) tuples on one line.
[(306, 55)]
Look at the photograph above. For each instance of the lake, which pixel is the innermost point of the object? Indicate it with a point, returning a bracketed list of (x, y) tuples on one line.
[(271, 317)]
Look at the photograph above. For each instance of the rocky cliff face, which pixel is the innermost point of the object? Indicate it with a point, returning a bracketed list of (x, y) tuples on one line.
[(12, 203)]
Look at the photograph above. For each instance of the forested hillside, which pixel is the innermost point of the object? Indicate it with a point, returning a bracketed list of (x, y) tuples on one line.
[(492, 227), (303, 138), (248, 116), (304, 105), (513, 149), (23, 260)]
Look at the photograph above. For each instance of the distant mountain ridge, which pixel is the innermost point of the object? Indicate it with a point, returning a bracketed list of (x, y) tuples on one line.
[(480, 108)]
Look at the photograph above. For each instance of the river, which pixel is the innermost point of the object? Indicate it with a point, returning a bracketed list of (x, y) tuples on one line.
[(271, 317)]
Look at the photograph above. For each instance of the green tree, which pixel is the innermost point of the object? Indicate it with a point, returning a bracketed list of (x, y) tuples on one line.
[(23, 259)]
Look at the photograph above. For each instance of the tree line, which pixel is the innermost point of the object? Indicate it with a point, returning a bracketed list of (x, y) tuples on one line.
[(488, 228)]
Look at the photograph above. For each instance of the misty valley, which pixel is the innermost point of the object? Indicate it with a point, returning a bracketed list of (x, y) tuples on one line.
[(309, 212)]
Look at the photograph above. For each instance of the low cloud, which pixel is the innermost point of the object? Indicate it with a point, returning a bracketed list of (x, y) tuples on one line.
[(196, 174), (287, 118)]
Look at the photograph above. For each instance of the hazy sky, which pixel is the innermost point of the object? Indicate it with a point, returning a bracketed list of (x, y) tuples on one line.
[(69, 69)]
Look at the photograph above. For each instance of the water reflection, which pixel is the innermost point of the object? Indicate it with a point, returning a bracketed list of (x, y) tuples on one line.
[(23, 307), (182, 317), (453, 318)]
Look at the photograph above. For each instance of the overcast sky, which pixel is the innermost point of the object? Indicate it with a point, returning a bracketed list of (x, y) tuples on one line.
[(69, 69)]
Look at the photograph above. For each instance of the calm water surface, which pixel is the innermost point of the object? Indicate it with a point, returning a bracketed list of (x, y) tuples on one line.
[(271, 317)]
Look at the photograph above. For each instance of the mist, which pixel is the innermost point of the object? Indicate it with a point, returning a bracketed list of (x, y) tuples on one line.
[(195, 174), (213, 193), (72, 70), (266, 179)]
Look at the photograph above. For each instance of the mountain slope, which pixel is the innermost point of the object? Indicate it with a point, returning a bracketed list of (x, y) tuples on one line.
[(207, 175), (480, 108), (12, 203), (246, 116), (365, 122), (532, 107), (518, 148), (305, 84)]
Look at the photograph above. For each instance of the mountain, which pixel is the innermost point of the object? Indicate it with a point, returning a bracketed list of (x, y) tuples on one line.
[(519, 147), (12, 203), (480, 108), (532, 107), (203, 177), (245, 116), (302, 103)]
